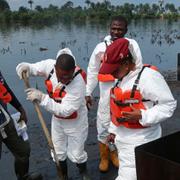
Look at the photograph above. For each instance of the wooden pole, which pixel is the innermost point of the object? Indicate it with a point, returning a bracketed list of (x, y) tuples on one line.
[(45, 129)]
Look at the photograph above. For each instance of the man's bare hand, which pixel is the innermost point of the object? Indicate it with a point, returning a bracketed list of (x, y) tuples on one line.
[(89, 102), (134, 115)]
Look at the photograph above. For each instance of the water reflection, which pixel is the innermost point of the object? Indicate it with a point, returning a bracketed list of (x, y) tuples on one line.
[(158, 40)]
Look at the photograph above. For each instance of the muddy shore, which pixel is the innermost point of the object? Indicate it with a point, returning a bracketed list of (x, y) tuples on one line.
[(40, 157)]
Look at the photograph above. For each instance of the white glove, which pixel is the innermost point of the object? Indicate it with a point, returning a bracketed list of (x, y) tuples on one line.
[(23, 67), (34, 95)]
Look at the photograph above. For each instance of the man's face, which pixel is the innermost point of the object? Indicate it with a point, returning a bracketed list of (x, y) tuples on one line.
[(117, 29), (64, 76), (121, 71)]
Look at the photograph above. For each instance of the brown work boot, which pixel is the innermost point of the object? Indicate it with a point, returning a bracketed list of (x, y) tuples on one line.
[(104, 157), (114, 158)]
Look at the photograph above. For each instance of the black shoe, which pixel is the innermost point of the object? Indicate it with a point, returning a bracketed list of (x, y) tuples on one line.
[(33, 176), (63, 165), (83, 171)]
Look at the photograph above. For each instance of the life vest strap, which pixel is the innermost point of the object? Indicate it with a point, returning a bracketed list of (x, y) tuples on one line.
[(106, 43), (50, 74), (139, 75), (72, 116), (49, 84), (136, 82)]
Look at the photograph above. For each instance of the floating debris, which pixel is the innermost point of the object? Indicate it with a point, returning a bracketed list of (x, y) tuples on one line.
[(67, 43), (5, 50), (23, 51), (43, 49), (168, 37), (170, 75)]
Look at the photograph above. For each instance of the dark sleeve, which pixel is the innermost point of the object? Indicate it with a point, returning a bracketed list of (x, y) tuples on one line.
[(14, 102)]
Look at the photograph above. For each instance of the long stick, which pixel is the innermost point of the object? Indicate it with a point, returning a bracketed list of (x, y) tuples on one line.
[(45, 129)]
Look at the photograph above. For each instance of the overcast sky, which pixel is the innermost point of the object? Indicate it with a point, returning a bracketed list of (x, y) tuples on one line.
[(15, 4)]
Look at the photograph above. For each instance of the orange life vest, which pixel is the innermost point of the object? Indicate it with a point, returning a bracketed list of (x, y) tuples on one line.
[(59, 94), (151, 66), (105, 77), (5, 96), (120, 102)]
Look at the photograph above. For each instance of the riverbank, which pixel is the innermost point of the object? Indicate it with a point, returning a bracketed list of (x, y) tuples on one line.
[(40, 157), (94, 12)]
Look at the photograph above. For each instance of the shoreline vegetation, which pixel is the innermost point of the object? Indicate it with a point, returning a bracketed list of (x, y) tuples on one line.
[(91, 12)]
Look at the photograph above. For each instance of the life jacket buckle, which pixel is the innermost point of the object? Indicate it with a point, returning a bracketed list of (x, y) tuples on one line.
[(113, 96), (121, 119), (120, 103)]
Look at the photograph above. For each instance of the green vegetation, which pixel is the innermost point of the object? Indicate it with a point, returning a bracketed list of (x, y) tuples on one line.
[(4, 6), (96, 12)]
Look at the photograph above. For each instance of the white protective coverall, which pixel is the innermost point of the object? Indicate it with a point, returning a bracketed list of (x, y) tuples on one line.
[(103, 113), (68, 135), (153, 87)]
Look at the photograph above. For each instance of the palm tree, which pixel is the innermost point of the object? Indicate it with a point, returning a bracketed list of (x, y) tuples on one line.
[(161, 4), (39, 8), (69, 5), (171, 8), (88, 3), (107, 4), (30, 3)]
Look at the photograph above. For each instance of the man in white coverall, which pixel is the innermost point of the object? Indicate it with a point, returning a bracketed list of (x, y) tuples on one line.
[(139, 101), (65, 84), (118, 29)]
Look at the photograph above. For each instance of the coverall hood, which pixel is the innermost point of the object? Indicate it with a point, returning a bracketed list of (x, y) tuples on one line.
[(65, 51)]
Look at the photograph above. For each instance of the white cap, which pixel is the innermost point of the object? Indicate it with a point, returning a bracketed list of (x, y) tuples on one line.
[(65, 51)]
